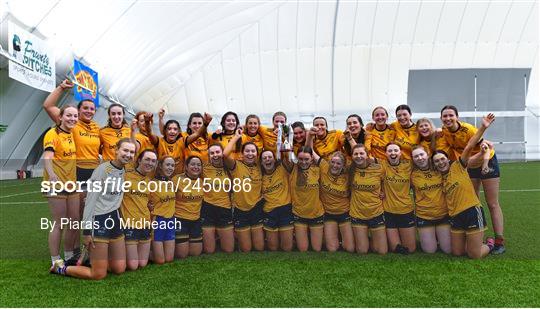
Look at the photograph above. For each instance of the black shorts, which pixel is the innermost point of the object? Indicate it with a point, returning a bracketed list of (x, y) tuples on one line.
[(494, 171), (469, 221), (420, 222), (190, 230), (215, 216), (374, 223), (339, 219), (395, 221), (244, 220), (137, 236), (315, 222), (83, 174), (106, 228), (279, 219)]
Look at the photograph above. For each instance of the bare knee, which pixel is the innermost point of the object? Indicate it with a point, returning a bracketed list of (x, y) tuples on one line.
[(332, 247), (132, 265)]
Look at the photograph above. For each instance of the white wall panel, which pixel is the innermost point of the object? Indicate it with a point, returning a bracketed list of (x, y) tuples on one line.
[(428, 20), (494, 21), (472, 21), (383, 27), (307, 23), (406, 22), (270, 80), (287, 81), (196, 93), (363, 27), (359, 81), (306, 79), (215, 88), (342, 77)]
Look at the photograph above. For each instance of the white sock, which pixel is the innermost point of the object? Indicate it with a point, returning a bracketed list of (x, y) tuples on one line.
[(54, 258), (68, 255)]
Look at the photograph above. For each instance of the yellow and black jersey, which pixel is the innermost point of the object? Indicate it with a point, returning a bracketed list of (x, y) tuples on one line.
[(163, 200), (220, 181), (86, 136), (198, 148), (144, 143), (135, 202), (189, 197), (458, 140), (366, 186), (109, 137), (275, 188), (296, 147), (458, 189), (441, 144), (64, 161), (257, 140), (175, 150), (376, 141), (269, 138), (406, 138), (246, 200), (334, 191), (224, 140), (428, 194), (331, 143), (397, 182), (305, 194)]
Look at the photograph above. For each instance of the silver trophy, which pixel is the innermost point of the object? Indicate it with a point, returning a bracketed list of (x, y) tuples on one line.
[(285, 134)]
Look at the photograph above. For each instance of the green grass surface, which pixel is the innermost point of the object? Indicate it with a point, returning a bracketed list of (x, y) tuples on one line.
[(283, 279)]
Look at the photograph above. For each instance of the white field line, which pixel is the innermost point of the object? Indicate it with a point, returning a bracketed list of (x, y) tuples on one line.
[(19, 203), (19, 194)]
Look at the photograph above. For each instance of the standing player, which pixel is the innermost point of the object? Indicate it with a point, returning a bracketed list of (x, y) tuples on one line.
[(116, 129), (427, 137), (366, 207), (270, 134), (162, 204), (299, 136), (59, 157), (104, 241), (431, 211), (229, 123), (326, 142), (466, 213), (457, 134), (251, 132), (278, 217), (216, 211), (87, 142), (248, 213)]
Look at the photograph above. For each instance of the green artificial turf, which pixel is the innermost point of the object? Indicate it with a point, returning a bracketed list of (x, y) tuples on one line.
[(283, 279)]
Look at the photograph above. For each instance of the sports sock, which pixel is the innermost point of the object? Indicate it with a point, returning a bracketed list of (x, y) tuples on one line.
[(68, 255), (54, 258)]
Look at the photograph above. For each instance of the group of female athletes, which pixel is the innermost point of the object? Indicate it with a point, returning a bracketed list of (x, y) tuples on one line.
[(347, 189)]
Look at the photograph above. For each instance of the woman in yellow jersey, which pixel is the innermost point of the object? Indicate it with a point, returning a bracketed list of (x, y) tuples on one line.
[(247, 200), (229, 123), (457, 134), (270, 134), (162, 203), (251, 132), (334, 194), (189, 197), (299, 135), (466, 214), (355, 128), (307, 207), (366, 206), (116, 129), (427, 137), (144, 125), (379, 134), (103, 236), (135, 211), (326, 142), (406, 133), (278, 217), (59, 157), (216, 211), (398, 204), (432, 219), (199, 147), (86, 138)]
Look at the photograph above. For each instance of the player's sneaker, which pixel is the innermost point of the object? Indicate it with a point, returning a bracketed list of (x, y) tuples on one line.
[(401, 250), (58, 267), (498, 249)]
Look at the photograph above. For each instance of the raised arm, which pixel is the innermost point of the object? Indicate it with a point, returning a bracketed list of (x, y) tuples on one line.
[(133, 134), (148, 128), (486, 122), (227, 152), (207, 118), (161, 122), (49, 105)]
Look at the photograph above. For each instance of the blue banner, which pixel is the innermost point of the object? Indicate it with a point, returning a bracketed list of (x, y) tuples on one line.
[(88, 78)]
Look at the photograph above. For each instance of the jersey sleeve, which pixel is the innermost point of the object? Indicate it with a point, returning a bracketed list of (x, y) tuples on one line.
[(49, 141)]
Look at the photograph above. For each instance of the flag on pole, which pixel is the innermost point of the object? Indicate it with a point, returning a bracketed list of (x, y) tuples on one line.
[(86, 86)]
